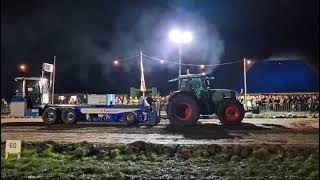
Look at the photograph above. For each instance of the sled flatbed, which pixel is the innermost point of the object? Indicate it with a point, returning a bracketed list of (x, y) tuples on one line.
[(99, 114)]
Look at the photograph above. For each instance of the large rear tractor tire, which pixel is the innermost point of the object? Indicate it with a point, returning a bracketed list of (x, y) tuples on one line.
[(230, 112), (69, 116), (50, 116), (183, 110)]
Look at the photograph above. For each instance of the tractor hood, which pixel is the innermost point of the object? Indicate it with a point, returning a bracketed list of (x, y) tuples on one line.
[(220, 94)]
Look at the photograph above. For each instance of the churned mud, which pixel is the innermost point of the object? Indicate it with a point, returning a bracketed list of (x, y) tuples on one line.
[(257, 149), (294, 131)]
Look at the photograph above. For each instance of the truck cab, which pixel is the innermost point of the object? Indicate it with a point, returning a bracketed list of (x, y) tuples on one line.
[(30, 94)]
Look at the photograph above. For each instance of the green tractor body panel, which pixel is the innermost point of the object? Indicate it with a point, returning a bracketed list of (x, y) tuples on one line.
[(220, 94), (198, 86)]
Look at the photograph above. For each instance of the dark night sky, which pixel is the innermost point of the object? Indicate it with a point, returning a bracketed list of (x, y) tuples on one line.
[(87, 35)]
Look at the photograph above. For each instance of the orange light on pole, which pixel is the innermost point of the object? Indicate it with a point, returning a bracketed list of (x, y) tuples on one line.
[(202, 66), (23, 68), (116, 62), (248, 61)]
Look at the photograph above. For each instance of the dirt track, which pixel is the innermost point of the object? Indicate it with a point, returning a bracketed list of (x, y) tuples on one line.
[(294, 131)]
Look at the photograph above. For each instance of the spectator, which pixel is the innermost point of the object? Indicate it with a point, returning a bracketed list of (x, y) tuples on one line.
[(284, 102), (150, 100), (125, 100), (141, 100)]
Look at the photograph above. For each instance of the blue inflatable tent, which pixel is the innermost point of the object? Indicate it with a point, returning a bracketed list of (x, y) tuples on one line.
[(278, 76)]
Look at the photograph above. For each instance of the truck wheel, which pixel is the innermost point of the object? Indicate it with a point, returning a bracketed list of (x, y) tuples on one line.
[(130, 118), (49, 116), (69, 116), (183, 110), (230, 111)]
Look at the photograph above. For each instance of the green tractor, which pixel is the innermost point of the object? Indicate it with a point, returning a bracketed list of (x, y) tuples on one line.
[(196, 97)]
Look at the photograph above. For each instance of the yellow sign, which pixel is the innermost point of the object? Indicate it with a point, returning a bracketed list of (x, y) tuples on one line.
[(13, 147)]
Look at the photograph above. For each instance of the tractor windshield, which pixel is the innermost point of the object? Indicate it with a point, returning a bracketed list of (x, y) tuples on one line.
[(196, 85), (184, 83)]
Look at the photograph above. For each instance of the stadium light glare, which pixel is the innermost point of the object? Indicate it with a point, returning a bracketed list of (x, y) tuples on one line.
[(180, 37), (116, 62)]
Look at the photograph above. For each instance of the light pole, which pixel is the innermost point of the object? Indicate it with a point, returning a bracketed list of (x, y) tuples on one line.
[(245, 78), (245, 62), (180, 37), (179, 60)]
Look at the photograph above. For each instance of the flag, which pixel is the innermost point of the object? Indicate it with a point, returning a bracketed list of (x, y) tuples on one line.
[(142, 82), (47, 67)]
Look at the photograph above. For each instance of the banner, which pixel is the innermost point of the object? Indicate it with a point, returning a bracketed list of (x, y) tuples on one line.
[(47, 67)]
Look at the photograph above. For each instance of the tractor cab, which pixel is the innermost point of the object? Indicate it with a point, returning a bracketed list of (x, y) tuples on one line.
[(196, 96), (202, 87), (193, 83)]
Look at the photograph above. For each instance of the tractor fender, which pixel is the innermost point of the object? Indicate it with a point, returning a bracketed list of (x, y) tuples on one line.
[(219, 102), (188, 93)]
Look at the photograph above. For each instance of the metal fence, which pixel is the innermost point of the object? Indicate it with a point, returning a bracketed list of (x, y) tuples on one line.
[(272, 107), (289, 107)]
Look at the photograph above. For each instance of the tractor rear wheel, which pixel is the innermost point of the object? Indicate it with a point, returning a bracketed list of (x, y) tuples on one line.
[(183, 110), (230, 112)]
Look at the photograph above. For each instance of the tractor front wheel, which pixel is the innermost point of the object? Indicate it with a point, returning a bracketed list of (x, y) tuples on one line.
[(183, 110), (230, 111)]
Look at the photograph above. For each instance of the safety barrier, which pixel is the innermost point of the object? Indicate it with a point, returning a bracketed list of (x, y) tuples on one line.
[(289, 107), (284, 107), (163, 106)]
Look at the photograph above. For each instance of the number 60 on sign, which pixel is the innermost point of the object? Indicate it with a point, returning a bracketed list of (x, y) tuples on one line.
[(13, 147)]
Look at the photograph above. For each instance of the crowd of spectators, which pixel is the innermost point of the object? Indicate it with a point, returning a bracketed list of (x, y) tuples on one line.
[(160, 100), (287, 102), (265, 102), (69, 100)]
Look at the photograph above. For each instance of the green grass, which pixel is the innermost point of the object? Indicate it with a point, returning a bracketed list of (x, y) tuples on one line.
[(88, 161)]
